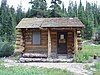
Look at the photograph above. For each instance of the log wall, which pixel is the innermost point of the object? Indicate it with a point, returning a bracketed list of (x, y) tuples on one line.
[(70, 41), (79, 40), (19, 47), (29, 47), (24, 41)]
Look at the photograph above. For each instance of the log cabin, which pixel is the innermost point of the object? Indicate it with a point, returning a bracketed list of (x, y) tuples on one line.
[(51, 36)]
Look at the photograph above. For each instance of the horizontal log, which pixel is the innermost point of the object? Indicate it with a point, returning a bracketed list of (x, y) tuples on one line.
[(78, 32), (18, 33), (68, 39), (36, 51), (17, 43), (17, 47), (71, 36), (55, 33), (44, 40), (79, 38), (78, 35), (70, 33), (54, 42), (34, 55), (18, 39), (79, 43), (70, 47), (70, 44), (18, 36), (44, 36), (71, 40), (79, 46), (33, 60), (53, 47), (18, 50), (31, 46), (18, 30), (28, 33), (27, 37), (64, 28), (53, 37), (31, 30), (44, 43), (28, 42)]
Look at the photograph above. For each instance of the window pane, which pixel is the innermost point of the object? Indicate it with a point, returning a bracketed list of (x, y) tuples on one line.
[(36, 38)]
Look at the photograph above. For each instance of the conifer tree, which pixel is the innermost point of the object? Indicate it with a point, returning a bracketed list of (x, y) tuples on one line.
[(55, 8), (39, 8)]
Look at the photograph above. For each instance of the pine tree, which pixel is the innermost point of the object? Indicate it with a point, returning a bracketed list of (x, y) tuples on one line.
[(64, 12), (89, 21), (29, 13), (96, 15), (13, 15), (19, 13), (39, 8), (7, 28), (70, 9), (75, 9), (55, 8), (82, 16)]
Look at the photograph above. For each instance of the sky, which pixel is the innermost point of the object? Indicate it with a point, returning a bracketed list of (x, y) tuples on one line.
[(26, 5)]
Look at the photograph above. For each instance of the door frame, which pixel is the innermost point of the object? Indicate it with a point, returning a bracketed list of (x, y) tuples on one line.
[(62, 31)]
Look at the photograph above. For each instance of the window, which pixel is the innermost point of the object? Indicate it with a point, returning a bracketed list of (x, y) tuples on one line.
[(36, 38)]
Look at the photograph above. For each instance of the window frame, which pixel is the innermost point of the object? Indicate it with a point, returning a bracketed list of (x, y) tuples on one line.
[(33, 38)]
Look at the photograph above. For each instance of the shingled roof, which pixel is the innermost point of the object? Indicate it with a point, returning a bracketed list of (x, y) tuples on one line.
[(49, 22)]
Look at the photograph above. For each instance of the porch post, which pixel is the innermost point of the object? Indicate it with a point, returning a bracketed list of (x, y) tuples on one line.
[(75, 41), (49, 43)]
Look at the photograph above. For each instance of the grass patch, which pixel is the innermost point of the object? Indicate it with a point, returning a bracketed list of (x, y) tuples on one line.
[(92, 50), (20, 70), (97, 67), (85, 54)]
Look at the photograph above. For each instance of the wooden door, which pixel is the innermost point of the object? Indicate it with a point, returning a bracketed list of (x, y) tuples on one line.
[(62, 42)]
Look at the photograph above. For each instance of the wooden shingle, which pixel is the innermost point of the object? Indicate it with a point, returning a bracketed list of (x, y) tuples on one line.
[(49, 22)]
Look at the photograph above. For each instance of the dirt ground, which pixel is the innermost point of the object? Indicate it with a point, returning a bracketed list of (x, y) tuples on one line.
[(77, 68)]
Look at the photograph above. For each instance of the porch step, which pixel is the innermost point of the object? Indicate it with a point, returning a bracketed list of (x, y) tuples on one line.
[(34, 55), (62, 56), (65, 56), (23, 60)]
